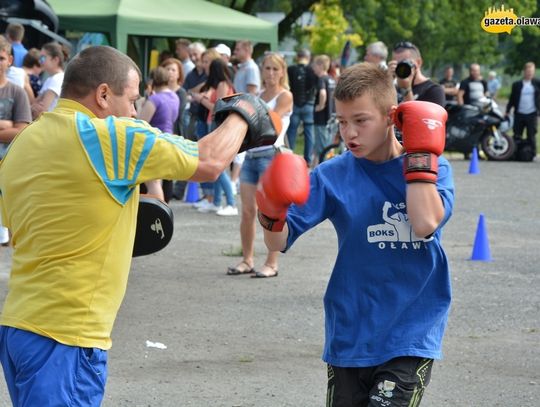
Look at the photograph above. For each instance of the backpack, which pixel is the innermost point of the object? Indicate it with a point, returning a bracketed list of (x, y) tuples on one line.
[(524, 150)]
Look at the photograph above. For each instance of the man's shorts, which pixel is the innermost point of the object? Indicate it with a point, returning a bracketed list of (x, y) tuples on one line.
[(399, 382), (42, 372)]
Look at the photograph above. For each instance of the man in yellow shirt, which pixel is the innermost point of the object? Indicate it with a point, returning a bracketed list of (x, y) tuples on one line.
[(69, 195)]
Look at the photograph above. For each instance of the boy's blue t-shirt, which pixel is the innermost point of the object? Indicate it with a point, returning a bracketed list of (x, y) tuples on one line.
[(389, 292)]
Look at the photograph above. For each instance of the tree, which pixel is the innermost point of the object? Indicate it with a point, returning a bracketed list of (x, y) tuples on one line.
[(328, 34), (446, 31), (518, 53)]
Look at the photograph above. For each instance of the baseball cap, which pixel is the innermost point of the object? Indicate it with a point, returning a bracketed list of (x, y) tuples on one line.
[(223, 49)]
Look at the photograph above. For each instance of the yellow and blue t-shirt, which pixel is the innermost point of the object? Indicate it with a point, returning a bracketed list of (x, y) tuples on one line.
[(69, 195)]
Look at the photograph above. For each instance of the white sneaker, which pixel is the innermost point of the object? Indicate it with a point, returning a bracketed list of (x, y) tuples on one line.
[(209, 208), (201, 203), (228, 211)]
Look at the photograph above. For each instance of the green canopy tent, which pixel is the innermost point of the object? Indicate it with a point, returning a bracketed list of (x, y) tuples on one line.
[(162, 18)]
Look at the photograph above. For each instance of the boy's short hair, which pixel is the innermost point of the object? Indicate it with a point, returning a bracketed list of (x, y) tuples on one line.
[(363, 78), (15, 32), (323, 61)]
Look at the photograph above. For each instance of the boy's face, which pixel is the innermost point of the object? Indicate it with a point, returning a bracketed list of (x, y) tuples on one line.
[(363, 127), (5, 62)]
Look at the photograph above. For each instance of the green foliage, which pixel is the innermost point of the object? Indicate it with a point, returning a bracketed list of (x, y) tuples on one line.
[(329, 33), (446, 31)]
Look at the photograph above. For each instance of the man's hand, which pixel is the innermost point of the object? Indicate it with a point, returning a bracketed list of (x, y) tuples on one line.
[(6, 124), (264, 125), (284, 182), (423, 127)]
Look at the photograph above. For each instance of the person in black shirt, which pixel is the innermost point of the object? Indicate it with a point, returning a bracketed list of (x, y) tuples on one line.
[(525, 102), (416, 86), (449, 84), (473, 88), (303, 83), (324, 107)]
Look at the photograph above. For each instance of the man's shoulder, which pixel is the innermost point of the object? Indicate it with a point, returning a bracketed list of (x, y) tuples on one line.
[(427, 84)]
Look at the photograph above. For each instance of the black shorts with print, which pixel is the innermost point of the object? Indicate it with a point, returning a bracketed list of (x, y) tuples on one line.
[(400, 382)]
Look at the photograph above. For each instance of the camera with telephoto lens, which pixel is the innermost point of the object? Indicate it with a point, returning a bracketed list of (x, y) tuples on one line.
[(404, 68)]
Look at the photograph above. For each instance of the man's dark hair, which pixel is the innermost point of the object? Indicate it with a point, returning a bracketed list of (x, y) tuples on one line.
[(94, 66), (217, 72), (303, 53)]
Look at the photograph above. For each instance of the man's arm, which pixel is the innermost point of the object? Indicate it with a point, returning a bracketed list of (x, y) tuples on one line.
[(244, 122), (511, 99), (28, 89), (42, 103), (460, 96), (147, 111), (218, 149), (7, 134), (322, 100), (252, 89)]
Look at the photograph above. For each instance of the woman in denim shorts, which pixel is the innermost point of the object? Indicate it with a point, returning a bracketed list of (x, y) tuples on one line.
[(277, 96)]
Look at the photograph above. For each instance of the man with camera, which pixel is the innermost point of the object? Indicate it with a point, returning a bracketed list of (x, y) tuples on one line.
[(411, 84)]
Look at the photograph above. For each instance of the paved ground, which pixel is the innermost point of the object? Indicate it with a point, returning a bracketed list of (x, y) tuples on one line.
[(239, 342)]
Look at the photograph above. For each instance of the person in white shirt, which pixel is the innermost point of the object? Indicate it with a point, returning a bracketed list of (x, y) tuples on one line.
[(52, 60), (182, 52), (247, 78)]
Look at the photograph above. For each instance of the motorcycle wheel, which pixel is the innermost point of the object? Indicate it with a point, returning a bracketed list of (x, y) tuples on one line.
[(498, 150), (331, 151)]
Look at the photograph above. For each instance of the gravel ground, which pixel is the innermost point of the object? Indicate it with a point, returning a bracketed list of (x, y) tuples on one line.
[(239, 342)]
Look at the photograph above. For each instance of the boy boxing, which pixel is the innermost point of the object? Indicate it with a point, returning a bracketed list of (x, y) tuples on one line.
[(387, 301)]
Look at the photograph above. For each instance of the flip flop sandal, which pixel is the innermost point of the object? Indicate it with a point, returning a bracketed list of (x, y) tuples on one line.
[(260, 274), (235, 271)]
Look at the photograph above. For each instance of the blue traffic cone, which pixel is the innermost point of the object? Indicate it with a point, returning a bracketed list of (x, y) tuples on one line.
[(481, 250), (192, 192), (473, 167)]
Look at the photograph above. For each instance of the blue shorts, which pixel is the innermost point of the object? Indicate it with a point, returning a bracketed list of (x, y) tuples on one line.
[(42, 372), (254, 165)]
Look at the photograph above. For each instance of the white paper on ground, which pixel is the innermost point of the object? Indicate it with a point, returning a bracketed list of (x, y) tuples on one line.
[(158, 345)]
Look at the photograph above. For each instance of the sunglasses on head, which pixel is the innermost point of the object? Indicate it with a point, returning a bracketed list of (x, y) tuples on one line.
[(404, 44)]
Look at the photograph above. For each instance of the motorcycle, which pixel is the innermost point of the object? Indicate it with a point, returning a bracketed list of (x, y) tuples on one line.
[(483, 125), (468, 126)]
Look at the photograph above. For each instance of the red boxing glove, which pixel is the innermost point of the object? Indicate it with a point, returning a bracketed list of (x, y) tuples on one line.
[(285, 181), (423, 125)]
